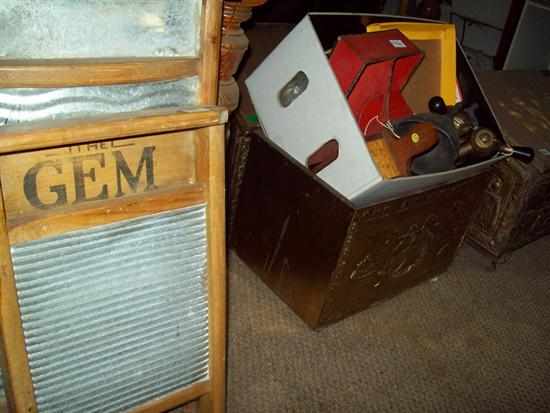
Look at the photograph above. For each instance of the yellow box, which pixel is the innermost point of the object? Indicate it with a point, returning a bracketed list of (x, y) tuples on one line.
[(438, 42)]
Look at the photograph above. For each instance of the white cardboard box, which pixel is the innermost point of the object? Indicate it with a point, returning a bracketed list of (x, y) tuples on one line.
[(321, 113)]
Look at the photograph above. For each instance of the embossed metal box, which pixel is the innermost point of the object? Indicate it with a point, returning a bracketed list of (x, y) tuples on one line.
[(327, 259), (516, 204), (324, 256)]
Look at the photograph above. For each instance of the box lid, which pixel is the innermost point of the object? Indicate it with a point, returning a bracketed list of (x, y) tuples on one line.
[(316, 116), (521, 101)]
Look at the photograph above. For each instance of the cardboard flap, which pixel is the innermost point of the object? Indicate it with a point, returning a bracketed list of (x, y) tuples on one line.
[(318, 114), (396, 188)]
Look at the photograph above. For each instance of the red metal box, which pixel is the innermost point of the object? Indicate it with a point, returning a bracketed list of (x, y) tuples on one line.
[(371, 70)]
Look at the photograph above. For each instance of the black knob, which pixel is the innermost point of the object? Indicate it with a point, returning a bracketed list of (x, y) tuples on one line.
[(437, 105), (524, 154)]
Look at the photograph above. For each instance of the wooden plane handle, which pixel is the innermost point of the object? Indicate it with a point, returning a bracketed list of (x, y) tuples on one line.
[(419, 139), (393, 156)]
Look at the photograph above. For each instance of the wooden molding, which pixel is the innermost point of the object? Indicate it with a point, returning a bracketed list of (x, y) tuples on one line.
[(214, 402), (175, 399), (15, 364), (33, 227), (50, 134), (93, 72), (210, 51)]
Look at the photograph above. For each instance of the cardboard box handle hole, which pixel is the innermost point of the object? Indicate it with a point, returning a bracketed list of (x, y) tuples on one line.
[(293, 88), (323, 156)]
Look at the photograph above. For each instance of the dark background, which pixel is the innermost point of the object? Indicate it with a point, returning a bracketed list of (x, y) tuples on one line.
[(292, 11)]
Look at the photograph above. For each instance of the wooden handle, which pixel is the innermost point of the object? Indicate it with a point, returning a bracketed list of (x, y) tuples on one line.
[(419, 139), (393, 156)]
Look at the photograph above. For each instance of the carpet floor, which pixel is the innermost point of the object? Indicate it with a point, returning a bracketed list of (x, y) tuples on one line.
[(471, 340)]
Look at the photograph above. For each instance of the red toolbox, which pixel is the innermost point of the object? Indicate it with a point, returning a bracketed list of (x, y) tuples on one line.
[(371, 70)]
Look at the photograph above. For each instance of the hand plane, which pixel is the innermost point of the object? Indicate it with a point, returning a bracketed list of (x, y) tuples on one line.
[(393, 155)]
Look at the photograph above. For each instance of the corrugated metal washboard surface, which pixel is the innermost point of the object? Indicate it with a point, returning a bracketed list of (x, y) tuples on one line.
[(115, 315)]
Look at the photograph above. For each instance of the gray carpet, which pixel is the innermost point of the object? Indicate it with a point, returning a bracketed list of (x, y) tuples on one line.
[(471, 340)]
